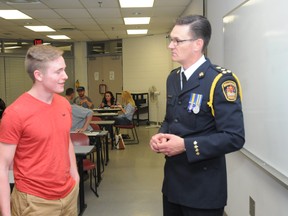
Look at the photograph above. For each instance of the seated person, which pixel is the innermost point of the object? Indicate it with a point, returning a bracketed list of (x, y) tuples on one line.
[(108, 100), (82, 99), (2, 107), (128, 109), (81, 117)]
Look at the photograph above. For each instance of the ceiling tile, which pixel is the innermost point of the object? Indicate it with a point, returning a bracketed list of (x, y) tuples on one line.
[(87, 20)]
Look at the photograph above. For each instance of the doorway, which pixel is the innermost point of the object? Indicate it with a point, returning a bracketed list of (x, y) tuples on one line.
[(104, 74)]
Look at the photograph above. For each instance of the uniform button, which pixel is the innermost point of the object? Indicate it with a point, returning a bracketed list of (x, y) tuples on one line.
[(179, 102), (204, 168), (175, 120)]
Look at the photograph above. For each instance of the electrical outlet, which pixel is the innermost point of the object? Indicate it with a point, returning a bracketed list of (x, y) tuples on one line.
[(251, 206)]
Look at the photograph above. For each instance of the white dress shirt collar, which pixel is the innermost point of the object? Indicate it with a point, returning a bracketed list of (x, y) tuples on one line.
[(189, 71)]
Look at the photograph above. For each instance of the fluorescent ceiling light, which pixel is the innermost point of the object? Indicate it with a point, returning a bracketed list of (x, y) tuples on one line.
[(136, 20), (13, 14), (137, 31), (58, 37), (22, 1), (40, 28), (136, 3)]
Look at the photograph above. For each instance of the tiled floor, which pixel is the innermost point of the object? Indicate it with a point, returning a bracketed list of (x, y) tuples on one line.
[(131, 184)]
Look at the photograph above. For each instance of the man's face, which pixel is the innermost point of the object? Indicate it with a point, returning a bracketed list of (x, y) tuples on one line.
[(53, 77), (182, 45), (81, 93)]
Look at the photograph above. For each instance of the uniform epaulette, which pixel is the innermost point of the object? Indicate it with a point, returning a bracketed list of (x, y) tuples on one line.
[(222, 70)]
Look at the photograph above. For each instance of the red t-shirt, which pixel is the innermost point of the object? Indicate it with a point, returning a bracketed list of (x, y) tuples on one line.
[(41, 132)]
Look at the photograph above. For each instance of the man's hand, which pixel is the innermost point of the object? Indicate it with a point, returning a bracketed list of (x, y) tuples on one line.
[(168, 144)]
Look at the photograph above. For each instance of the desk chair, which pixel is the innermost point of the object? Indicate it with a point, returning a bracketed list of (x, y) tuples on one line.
[(81, 139), (95, 126), (132, 127)]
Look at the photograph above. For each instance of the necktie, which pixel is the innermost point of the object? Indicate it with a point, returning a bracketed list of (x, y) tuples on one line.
[(184, 80)]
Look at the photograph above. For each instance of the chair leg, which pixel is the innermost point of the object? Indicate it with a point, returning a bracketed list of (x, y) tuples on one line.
[(136, 135), (135, 139)]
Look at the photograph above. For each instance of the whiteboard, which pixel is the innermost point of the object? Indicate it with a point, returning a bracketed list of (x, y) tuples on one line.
[(256, 49)]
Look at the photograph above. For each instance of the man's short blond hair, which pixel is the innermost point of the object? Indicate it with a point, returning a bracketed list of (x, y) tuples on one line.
[(37, 56)]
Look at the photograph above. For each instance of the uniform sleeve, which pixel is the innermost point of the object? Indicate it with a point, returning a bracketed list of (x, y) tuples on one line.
[(229, 124)]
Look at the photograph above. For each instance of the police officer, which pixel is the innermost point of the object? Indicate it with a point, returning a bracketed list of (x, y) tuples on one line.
[(203, 122)]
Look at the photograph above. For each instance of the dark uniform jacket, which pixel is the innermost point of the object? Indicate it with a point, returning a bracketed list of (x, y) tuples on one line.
[(197, 178)]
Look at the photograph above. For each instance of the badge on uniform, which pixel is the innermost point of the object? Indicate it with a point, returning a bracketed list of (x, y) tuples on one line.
[(230, 90), (194, 103)]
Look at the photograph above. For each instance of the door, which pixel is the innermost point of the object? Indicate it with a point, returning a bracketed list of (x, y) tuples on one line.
[(105, 70)]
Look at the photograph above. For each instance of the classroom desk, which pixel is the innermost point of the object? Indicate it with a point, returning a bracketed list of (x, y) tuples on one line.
[(81, 152), (93, 136), (104, 134), (109, 124)]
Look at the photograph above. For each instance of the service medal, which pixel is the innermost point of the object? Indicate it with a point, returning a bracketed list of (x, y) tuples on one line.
[(194, 103), (196, 109)]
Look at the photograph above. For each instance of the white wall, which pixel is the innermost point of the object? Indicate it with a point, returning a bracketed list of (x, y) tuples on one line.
[(216, 10), (147, 62), (245, 178)]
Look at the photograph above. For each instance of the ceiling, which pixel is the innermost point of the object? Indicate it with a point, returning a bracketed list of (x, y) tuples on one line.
[(88, 20)]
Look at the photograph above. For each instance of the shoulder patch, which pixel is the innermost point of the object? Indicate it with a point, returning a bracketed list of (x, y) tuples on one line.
[(229, 89)]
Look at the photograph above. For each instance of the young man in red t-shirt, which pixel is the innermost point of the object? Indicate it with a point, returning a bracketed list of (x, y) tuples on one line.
[(35, 137)]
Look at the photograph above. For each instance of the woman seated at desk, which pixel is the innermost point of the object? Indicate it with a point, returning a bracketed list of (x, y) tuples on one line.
[(128, 109), (108, 100)]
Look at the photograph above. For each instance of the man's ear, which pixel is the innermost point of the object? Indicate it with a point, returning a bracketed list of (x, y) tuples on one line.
[(199, 43), (38, 75)]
